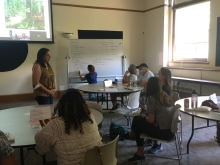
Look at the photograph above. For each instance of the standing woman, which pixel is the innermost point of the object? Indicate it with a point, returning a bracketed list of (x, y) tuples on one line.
[(91, 77), (43, 78)]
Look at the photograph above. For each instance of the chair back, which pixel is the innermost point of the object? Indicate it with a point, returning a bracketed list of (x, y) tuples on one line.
[(105, 155), (174, 125), (133, 100), (175, 96), (94, 105)]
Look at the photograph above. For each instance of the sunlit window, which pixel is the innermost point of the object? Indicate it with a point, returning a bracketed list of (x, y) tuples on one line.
[(191, 33)]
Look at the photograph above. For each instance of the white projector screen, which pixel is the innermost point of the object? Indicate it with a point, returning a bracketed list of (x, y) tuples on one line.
[(26, 21)]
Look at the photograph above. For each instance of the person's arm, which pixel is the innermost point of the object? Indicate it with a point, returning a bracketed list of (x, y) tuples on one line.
[(80, 76), (126, 78), (151, 108), (36, 73), (45, 139), (150, 117)]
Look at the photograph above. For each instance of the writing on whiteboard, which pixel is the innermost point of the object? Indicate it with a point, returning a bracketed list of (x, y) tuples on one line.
[(104, 54)]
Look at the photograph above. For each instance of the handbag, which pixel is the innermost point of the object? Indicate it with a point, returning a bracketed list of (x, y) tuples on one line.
[(210, 103)]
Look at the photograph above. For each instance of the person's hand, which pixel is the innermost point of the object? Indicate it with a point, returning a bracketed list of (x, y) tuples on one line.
[(54, 91), (126, 72), (143, 115), (51, 92)]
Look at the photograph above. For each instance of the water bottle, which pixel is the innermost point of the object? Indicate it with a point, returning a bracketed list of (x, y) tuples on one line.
[(131, 82), (194, 99)]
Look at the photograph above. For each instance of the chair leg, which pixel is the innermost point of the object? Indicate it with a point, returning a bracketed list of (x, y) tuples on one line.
[(177, 149)]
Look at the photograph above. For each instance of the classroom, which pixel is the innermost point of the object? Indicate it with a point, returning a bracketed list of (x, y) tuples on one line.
[(147, 27)]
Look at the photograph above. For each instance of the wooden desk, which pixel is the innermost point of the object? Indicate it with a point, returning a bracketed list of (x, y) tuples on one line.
[(195, 81)]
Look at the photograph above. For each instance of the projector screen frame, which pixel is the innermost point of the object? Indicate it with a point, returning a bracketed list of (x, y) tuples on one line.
[(50, 19)]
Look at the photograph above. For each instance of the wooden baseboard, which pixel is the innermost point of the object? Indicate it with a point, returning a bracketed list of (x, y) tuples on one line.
[(23, 97)]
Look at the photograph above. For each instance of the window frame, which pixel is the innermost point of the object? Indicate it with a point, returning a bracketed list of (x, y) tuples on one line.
[(186, 60)]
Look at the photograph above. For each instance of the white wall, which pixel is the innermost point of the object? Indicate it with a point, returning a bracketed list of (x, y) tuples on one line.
[(150, 46), (157, 39), (154, 35), (70, 19)]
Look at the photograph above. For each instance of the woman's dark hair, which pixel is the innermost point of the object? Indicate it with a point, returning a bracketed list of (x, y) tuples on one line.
[(154, 89), (40, 54), (73, 109), (167, 75), (91, 69)]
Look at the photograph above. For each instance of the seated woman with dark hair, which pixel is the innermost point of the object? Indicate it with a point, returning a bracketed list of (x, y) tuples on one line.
[(71, 133), (6, 151), (159, 119), (91, 77)]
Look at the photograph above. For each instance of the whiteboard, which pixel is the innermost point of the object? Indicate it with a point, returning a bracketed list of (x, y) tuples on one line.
[(104, 54)]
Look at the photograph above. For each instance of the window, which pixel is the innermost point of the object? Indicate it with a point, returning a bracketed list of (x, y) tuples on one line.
[(191, 31)]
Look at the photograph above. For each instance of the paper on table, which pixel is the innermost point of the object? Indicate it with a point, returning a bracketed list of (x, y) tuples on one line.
[(107, 83), (213, 98), (40, 113)]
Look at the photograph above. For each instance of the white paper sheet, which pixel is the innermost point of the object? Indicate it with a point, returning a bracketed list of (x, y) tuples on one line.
[(213, 98), (40, 113)]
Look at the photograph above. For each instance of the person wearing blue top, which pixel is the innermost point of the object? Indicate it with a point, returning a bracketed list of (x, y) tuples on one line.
[(91, 77)]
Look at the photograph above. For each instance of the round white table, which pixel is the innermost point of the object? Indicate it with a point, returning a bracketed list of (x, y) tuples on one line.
[(17, 122), (210, 115), (119, 88)]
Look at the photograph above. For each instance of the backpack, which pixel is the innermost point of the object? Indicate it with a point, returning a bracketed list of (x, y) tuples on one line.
[(116, 129)]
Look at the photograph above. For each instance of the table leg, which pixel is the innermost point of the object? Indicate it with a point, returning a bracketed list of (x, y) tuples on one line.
[(44, 159), (21, 156), (122, 102), (192, 133), (107, 100)]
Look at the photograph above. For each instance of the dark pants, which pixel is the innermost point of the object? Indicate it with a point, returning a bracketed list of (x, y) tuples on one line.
[(44, 100), (140, 125)]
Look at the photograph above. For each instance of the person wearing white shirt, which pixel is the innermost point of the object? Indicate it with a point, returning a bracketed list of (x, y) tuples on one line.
[(130, 75), (145, 74)]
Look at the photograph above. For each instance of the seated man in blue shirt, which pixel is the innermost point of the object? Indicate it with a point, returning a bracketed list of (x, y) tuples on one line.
[(6, 151)]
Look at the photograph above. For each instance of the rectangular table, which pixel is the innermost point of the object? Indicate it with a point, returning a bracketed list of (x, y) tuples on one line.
[(195, 81)]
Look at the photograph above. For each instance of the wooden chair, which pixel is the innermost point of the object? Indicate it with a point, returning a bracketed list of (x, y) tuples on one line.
[(104, 155)]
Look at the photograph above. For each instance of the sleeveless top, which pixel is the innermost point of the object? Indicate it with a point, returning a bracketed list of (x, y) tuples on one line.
[(46, 79)]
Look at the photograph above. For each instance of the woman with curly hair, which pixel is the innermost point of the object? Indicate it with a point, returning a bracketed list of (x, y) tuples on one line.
[(72, 132)]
